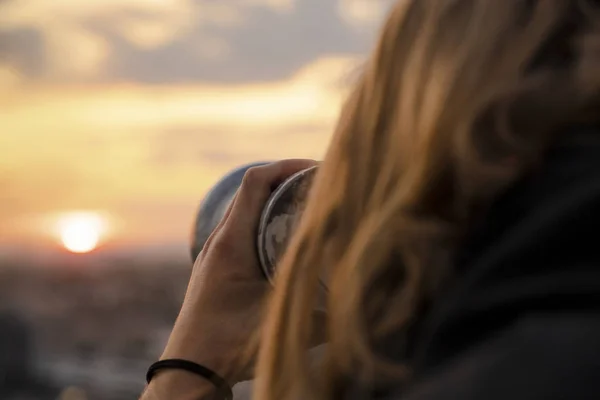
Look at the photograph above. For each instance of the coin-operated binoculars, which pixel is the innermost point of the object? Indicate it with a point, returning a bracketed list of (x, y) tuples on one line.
[(277, 222)]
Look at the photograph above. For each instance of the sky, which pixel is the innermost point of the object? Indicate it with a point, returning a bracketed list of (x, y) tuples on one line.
[(135, 108)]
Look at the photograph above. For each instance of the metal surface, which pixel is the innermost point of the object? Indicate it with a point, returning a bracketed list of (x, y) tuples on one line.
[(279, 218), (277, 222), (214, 206)]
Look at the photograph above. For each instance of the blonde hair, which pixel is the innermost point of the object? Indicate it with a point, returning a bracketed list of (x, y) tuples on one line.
[(459, 99)]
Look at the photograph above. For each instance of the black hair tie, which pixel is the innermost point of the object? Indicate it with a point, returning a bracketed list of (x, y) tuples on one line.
[(223, 388)]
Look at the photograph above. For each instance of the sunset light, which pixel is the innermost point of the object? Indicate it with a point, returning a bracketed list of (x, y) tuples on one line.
[(150, 102), (117, 118), (81, 232)]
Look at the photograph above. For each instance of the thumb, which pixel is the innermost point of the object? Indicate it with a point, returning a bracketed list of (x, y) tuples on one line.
[(257, 186)]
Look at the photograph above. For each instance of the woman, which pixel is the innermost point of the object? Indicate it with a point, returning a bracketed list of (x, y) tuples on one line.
[(454, 217)]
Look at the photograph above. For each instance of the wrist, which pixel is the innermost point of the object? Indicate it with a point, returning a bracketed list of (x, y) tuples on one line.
[(204, 350), (177, 384)]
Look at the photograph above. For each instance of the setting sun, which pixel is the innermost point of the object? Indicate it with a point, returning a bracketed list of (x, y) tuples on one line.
[(81, 232)]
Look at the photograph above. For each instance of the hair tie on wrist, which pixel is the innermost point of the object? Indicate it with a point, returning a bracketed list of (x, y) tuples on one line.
[(222, 387)]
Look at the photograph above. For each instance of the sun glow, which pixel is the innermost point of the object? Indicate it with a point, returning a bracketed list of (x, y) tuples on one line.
[(81, 232)]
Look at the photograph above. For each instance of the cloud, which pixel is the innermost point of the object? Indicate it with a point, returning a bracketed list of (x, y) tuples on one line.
[(282, 6), (363, 13), (10, 77), (76, 34), (73, 48), (21, 53), (119, 105), (99, 147), (291, 101), (178, 41), (267, 47)]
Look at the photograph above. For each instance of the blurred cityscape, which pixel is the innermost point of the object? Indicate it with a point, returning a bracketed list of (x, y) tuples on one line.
[(84, 333)]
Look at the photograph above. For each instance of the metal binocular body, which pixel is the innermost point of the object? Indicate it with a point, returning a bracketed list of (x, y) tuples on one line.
[(277, 222)]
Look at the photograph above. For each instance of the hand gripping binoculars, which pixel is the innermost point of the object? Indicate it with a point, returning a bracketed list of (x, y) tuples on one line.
[(277, 221)]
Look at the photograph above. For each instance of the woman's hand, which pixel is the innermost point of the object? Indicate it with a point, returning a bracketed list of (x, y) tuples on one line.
[(224, 299)]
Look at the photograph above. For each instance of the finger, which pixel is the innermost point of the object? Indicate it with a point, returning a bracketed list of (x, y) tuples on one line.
[(223, 219), (258, 185), (219, 226)]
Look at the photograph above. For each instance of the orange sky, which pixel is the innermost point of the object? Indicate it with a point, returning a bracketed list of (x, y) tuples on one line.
[(80, 129)]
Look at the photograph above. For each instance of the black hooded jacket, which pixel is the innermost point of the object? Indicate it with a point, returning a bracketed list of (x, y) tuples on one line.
[(522, 320)]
